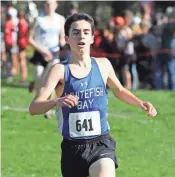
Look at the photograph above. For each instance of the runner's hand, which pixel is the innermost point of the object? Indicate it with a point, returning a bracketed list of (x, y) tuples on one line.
[(67, 101), (147, 106)]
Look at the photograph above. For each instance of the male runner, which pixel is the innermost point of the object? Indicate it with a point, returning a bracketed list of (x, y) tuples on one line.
[(87, 147)]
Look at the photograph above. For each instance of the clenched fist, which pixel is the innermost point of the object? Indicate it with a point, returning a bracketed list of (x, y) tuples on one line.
[(68, 101)]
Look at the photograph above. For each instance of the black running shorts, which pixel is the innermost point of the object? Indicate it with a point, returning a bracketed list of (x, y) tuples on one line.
[(77, 156)]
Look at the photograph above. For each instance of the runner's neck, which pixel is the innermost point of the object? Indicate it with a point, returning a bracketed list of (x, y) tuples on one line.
[(83, 61)]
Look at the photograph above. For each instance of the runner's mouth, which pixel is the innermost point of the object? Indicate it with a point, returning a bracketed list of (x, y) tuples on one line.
[(81, 44)]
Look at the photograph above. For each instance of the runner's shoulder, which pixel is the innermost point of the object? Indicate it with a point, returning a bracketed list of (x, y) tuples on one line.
[(58, 69), (103, 61)]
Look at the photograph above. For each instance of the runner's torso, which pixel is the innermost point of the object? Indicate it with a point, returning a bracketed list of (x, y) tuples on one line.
[(88, 119)]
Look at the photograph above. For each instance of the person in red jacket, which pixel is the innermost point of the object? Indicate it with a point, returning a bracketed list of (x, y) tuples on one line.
[(14, 50), (9, 27), (22, 44)]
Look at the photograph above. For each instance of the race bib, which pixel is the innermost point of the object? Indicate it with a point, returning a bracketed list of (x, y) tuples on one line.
[(84, 124)]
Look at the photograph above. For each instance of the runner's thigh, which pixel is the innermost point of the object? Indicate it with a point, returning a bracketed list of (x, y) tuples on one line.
[(104, 167)]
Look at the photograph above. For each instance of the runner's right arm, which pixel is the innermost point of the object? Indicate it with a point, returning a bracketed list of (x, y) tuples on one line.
[(40, 104)]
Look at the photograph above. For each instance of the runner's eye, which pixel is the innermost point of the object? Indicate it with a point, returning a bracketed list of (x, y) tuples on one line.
[(75, 33)]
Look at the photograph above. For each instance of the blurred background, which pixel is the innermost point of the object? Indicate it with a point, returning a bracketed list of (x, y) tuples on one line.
[(138, 37)]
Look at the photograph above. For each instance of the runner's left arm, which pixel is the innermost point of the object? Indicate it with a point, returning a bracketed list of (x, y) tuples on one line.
[(125, 95)]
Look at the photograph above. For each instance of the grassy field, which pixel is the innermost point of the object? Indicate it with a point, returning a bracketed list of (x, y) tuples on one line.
[(31, 144)]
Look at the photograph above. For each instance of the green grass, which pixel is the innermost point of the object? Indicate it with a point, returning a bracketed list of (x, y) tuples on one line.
[(145, 147)]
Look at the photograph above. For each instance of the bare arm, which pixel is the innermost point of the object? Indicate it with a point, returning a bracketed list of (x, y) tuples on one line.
[(31, 37), (125, 95), (40, 104), (35, 44)]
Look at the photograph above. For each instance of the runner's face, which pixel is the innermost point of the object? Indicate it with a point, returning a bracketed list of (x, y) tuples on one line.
[(80, 36)]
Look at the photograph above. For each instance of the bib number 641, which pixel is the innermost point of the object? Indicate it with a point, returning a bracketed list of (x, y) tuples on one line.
[(86, 124)]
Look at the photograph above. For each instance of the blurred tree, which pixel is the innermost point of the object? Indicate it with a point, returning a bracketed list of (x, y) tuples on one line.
[(103, 14), (119, 6), (164, 4), (101, 11)]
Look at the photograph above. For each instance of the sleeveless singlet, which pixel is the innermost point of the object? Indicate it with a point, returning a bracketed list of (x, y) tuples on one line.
[(88, 119)]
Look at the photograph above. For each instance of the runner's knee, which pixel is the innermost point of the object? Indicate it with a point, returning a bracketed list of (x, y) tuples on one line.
[(104, 167)]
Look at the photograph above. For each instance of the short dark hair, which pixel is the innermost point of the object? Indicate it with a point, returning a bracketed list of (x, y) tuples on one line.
[(77, 17)]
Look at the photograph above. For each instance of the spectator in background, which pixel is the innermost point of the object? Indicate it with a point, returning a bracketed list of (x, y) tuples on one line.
[(9, 27), (168, 45), (14, 50), (22, 44), (108, 44), (46, 36), (111, 24), (128, 17), (172, 61), (136, 28), (129, 53), (98, 39), (146, 13), (146, 43), (3, 50), (125, 46), (156, 30), (137, 31), (108, 38), (119, 45)]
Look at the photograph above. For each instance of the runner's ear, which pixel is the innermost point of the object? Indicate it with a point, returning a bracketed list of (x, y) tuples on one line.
[(67, 39), (92, 39)]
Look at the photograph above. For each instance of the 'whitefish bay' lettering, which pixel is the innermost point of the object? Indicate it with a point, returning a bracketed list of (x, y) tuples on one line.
[(86, 97)]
